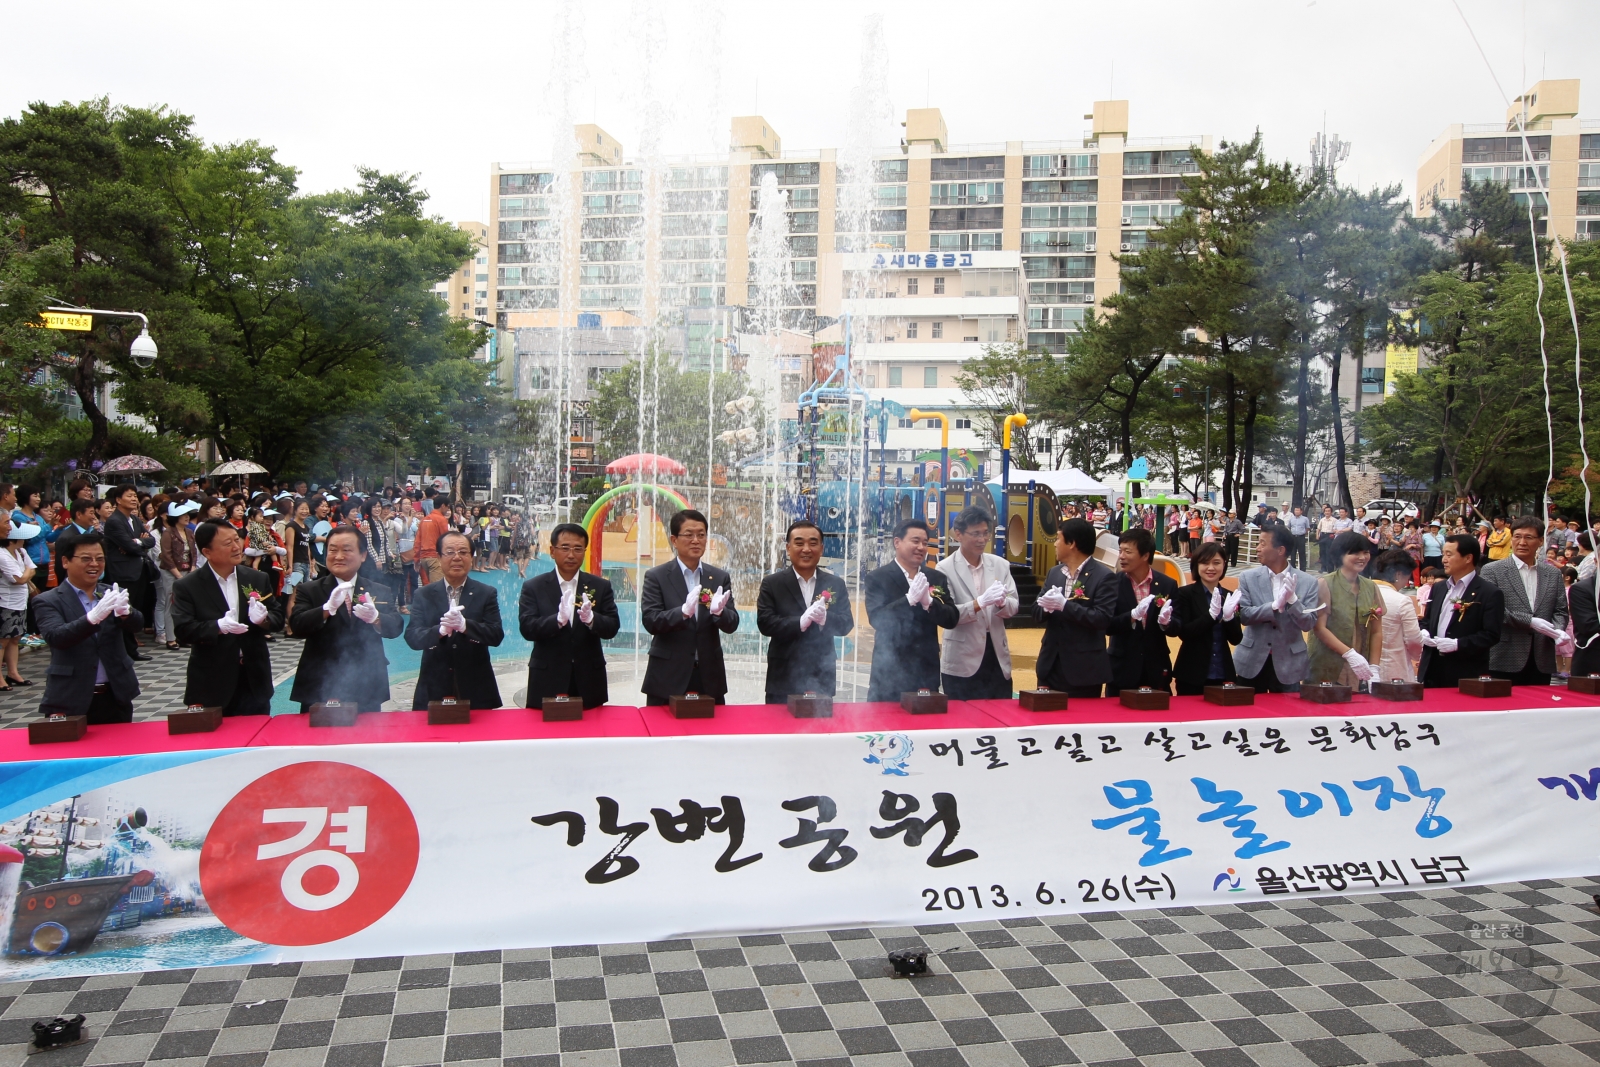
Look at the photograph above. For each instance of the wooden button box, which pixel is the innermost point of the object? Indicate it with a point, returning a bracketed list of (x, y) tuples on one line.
[(561, 708), (810, 706), (333, 713), (194, 720), (1584, 683), (1042, 700), (1326, 693), (1230, 695), (1485, 686), (57, 728), (1397, 690), (693, 706), (925, 702), (1145, 699), (450, 711)]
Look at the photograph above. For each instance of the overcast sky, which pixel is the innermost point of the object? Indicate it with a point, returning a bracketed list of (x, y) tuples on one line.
[(445, 89)]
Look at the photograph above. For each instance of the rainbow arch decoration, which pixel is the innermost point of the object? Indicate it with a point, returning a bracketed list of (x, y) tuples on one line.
[(594, 521)]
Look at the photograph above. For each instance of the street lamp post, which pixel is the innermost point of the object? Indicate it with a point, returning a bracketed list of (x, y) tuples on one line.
[(142, 350)]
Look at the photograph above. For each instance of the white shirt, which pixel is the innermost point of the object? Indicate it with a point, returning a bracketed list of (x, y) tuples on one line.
[(691, 578), (1453, 592), (230, 591), (1530, 578), (13, 597), (808, 586), (453, 592), (568, 586), (974, 576)]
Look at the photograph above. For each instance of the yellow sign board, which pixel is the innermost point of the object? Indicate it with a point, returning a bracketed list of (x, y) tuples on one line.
[(61, 320), (1397, 360)]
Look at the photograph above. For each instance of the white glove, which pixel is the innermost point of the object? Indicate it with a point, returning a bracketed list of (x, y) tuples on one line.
[(1142, 608), (719, 600), (1359, 666), (1230, 607), (367, 612), (105, 606), (995, 594), (1053, 599), (815, 615), (564, 612), (1428, 640), (452, 622), (342, 591), (1445, 644), (586, 612), (258, 613), (1165, 617), (919, 586), (1566, 645), (122, 606), (1216, 602), (1545, 627), (691, 603), (1286, 596), (230, 625)]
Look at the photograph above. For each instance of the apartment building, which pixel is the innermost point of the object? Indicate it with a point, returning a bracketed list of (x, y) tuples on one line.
[(467, 290), (930, 251), (1561, 155)]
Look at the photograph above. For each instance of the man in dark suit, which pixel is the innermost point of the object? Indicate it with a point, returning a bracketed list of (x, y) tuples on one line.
[(83, 621), (566, 613), (225, 611), (85, 512), (1077, 603), (1463, 620), (127, 543), (802, 608), (1585, 627), (344, 621), (907, 604), (454, 624), (1139, 653), (687, 605)]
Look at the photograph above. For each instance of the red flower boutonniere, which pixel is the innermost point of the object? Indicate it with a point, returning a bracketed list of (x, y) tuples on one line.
[(705, 595), (826, 596), (1078, 591), (937, 592), (255, 596), (1461, 606)]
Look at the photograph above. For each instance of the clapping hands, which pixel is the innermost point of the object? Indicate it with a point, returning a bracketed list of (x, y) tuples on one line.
[(230, 625), (366, 610), (258, 613), (919, 593), (815, 615), (719, 600), (1230, 606), (995, 594), (452, 621), (1052, 599)]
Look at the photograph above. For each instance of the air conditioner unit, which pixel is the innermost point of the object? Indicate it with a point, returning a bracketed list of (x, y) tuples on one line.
[(1126, 247), (1089, 247), (1055, 172), (1127, 220), (983, 198)]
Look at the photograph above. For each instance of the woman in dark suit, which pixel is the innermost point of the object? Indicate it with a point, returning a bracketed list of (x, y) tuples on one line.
[(1206, 618), (1585, 627)]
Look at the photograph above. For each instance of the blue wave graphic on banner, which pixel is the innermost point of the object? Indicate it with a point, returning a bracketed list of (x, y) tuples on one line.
[(28, 786)]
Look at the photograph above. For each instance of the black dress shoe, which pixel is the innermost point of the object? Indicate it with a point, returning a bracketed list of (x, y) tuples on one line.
[(141, 656)]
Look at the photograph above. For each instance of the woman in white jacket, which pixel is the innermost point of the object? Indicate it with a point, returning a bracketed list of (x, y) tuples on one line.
[(1402, 635)]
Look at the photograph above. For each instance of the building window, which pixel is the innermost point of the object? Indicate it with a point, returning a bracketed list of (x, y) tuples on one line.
[(970, 340), (1043, 446), (963, 424), (911, 287), (938, 288), (938, 330), (894, 377), (905, 424), (911, 330), (930, 380)]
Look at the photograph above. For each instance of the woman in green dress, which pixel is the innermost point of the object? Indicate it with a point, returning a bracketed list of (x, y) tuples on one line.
[(1348, 637)]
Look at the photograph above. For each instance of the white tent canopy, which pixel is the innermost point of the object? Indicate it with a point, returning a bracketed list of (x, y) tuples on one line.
[(1069, 483)]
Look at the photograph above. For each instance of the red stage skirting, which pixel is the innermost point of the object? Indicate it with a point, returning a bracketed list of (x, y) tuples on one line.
[(514, 724)]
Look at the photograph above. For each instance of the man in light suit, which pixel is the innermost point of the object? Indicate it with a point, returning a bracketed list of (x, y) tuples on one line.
[(567, 613), (975, 662), (1278, 606), (687, 605), (802, 608), (1535, 619), (225, 611), (454, 623), (84, 621)]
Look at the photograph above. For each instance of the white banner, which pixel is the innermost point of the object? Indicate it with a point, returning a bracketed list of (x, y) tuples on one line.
[(190, 859)]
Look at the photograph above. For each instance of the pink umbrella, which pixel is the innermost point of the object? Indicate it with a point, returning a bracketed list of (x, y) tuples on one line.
[(132, 465), (645, 463)]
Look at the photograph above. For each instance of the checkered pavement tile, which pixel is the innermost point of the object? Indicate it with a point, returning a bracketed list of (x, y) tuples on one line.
[(1503, 976)]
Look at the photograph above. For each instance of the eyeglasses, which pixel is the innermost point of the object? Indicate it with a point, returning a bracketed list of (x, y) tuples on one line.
[(687, 536), (457, 553)]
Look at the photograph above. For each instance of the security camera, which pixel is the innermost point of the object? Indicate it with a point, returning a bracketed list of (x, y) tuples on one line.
[(143, 349)]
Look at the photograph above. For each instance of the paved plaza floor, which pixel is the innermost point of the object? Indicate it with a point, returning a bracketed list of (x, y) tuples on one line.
[(1507, 976)]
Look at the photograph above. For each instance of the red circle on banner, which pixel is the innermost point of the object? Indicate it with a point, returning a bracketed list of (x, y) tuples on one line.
[(308, 854)]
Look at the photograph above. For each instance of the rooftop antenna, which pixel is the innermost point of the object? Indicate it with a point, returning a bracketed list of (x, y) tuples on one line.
[(1328, 152)]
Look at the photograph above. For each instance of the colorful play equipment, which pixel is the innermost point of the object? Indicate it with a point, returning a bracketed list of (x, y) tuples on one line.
[(594, 521)]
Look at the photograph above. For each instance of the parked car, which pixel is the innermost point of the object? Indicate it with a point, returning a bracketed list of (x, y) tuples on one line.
[(1395, 509)]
